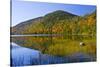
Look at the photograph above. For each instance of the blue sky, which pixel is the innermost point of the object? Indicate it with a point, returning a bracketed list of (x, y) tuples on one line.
[(25, 10)]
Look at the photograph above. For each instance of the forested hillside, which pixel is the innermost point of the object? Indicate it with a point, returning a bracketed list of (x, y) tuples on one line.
[(58, 22)]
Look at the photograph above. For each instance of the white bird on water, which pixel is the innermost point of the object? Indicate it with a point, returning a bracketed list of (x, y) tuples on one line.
[(82, 44)]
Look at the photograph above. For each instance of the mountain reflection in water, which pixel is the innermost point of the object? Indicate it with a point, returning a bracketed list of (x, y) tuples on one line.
[(21, 56)]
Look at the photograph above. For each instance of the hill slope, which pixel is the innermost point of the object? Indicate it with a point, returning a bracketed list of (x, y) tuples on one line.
[(57, 22)]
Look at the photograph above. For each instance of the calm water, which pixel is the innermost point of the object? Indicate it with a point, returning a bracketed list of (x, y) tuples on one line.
[(24, 55)]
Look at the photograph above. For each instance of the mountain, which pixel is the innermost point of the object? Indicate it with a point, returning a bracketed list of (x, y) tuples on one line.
[(53, 17), (57, 22), (58, 15), (22, 26), (29, 22), (89, 25), (47, 19)]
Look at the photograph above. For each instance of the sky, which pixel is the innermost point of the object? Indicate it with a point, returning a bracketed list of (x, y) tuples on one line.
[(25, 10)]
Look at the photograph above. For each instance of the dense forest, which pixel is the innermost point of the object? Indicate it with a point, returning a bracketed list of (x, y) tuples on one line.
[(58, 22)]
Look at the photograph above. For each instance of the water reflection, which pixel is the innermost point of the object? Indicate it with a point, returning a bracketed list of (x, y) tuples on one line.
[(23, 56), (34, 50)]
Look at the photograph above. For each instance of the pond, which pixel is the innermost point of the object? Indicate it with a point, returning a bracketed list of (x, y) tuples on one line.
[(40, 50)]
